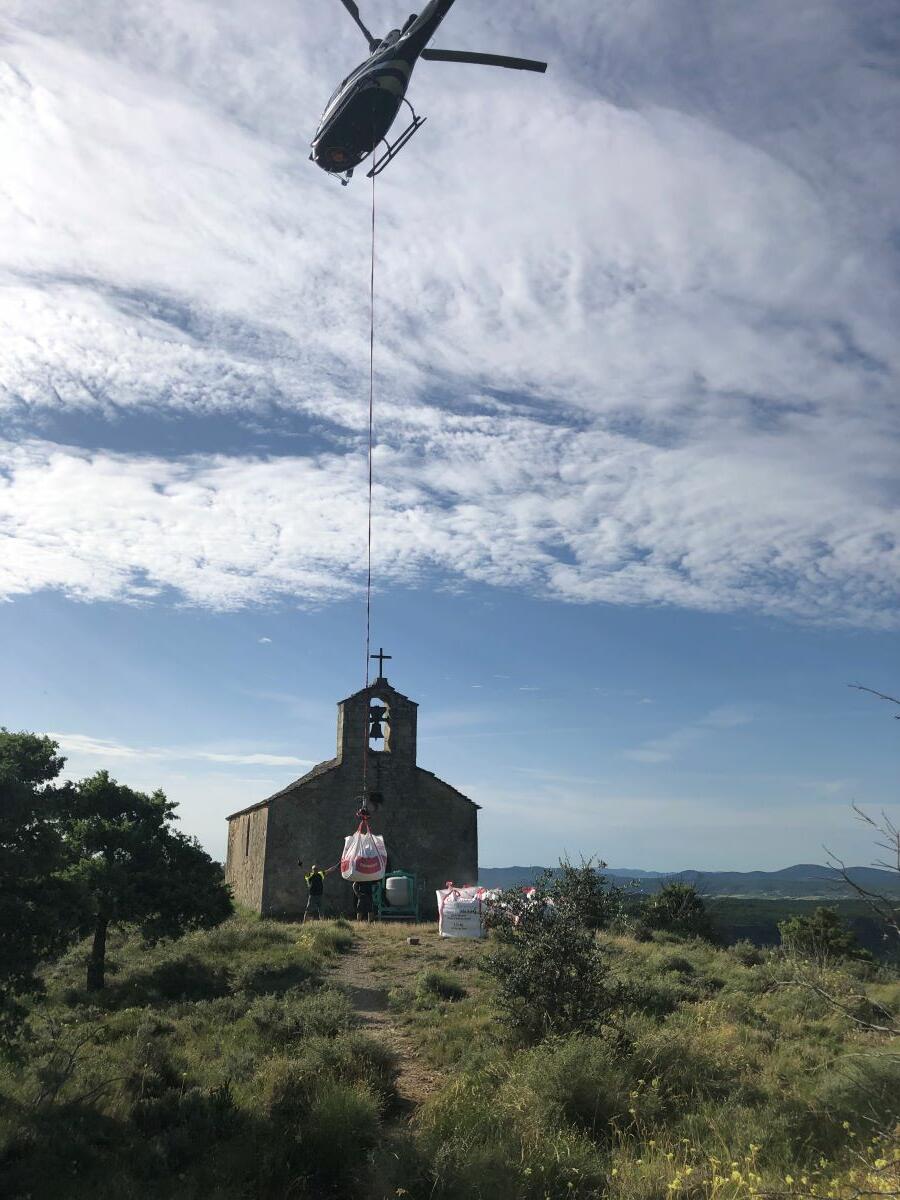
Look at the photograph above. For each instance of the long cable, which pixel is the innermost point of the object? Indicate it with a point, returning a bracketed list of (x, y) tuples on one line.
[(371, 443)]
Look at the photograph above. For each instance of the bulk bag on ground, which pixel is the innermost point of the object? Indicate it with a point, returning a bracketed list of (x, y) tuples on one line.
[(364, 859), (460, 912)]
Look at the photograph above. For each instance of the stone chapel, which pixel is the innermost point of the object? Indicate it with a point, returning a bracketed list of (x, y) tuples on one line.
[(429, 827)]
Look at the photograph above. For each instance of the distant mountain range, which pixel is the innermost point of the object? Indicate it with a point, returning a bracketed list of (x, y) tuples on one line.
[(802, 881)]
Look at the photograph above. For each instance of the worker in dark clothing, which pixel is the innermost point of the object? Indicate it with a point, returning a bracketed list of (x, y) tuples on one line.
[(315, 885), (365, 906)]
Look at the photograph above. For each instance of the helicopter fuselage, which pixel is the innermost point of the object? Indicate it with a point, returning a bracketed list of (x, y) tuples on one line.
[(362, 110)]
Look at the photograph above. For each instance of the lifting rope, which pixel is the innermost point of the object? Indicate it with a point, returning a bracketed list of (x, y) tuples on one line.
[(369, 519)]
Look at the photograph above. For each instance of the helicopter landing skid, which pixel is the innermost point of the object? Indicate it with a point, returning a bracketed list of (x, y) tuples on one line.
[(393, 149)]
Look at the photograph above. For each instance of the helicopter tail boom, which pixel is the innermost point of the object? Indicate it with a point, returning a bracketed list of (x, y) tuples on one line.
[(487, 60)]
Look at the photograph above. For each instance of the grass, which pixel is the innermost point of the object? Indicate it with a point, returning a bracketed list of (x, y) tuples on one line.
[(715, 1077), (225, 1065), (220, 1064)]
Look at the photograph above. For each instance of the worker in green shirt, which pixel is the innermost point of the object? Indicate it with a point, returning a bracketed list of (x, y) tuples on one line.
[(315, 884)]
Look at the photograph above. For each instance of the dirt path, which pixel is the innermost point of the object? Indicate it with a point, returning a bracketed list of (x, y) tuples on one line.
[(415, 1079)]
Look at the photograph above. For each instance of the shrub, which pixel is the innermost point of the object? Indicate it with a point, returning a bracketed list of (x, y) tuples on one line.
[(586, 895), (677, 962), (284, 1089), (355, 1058), (583, 1081), (490, 1143), (282, 1020), (433, 984), (677, 908), (207, 1115), (286, 1084), (327, 937), (549, 971), (747, 954), (821, 937), (181, 977), (338, 1133), (864, 1090), (265, 978)]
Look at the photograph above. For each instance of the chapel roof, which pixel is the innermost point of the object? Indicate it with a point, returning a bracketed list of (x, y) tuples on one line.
[(321, 768), (371, 687)]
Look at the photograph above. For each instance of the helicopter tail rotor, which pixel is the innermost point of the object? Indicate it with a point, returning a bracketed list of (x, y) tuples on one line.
[(353, 10)]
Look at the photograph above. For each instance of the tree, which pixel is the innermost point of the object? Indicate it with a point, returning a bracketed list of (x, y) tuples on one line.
[(820, 936), (136, 868), (39, 908), (590, 896), (677, 908), (549, 971)]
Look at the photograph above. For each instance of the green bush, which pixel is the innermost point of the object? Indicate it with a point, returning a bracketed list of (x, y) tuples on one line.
[(678, 963), (338, 1133), (285, 1084), (438, 985), (207, 1115), (283, 1088), (580, 1081), (863, 1090), (821, 937), (180, 977), (549, 971), (677, 908), (486, 1142), (262, 978), (586, 895), (283, 1020), (354, 1058), (328, 937), (747, 954)]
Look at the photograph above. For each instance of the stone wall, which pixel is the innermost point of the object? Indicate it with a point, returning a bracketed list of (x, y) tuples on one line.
[(428, 827), (244, 865)]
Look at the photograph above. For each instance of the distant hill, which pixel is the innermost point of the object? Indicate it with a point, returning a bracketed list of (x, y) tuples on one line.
[(801, 881)]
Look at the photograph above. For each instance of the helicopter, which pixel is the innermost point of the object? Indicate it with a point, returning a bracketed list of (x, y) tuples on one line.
[(364, 106)]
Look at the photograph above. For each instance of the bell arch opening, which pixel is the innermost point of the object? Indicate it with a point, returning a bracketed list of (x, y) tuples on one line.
[(379, 726)]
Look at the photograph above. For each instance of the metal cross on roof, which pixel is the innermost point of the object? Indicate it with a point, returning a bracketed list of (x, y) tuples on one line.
[(381, 656)]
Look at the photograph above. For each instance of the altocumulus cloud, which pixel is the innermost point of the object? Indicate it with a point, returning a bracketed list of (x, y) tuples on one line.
[(636, 340)]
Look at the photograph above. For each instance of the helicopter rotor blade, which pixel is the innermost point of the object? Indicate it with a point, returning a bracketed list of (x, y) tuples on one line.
[(487, 60), (354, 13)]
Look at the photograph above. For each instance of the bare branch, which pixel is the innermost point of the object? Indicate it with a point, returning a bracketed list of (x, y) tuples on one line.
[(891, 1030), (881, 695)]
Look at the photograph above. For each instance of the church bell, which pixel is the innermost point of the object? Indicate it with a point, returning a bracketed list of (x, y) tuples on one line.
[(375, 730)]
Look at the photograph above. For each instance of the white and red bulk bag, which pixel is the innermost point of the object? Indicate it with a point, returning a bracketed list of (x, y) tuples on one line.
[(460, 912), (364, 859)]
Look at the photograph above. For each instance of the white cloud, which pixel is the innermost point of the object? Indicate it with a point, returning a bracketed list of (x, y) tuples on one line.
[(264, 641), (668, 375), (103, 749), (223, 532), (671, 745)]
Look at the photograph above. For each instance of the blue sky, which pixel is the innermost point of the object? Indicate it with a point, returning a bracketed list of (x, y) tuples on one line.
[(636, 476)]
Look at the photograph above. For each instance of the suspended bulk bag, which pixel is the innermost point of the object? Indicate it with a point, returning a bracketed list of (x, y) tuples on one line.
[(459, 912), (364, 859)]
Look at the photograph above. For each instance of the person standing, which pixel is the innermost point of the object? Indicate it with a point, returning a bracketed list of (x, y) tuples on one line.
[(315, 886), (365, 906)]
